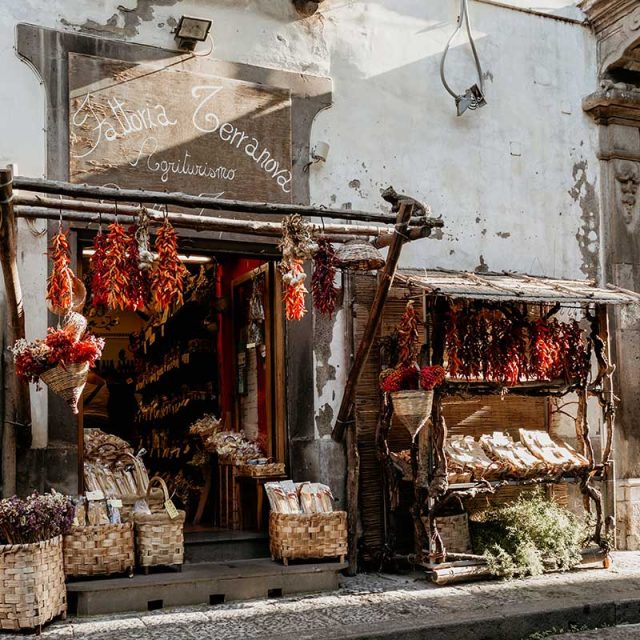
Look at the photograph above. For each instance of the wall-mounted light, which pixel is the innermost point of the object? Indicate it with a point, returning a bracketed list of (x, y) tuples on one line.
[(306, 7), (319, 154), (190, 31)]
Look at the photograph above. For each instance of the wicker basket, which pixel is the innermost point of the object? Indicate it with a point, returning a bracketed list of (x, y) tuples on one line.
[(32, 590), (261, 470), (308, 535), (159, 539), (454, 533), (359, 255), (412, 408), (154, 498), (99, 550), (67, 381)]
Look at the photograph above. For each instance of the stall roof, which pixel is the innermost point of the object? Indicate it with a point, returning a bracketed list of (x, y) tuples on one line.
[(514, 287)]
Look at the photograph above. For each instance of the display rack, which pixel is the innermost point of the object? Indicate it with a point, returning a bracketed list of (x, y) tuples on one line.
[(433, 493)]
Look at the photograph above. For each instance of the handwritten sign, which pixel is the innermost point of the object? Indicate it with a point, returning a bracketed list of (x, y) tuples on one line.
[(169, 128)]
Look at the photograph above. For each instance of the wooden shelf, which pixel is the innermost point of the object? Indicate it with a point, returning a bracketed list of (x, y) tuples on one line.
[(483, 387)]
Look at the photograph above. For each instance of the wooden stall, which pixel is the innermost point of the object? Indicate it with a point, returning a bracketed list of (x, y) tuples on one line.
[(416, 495)]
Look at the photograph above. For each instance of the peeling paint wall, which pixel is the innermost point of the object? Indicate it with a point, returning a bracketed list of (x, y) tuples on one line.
[(515, 182)]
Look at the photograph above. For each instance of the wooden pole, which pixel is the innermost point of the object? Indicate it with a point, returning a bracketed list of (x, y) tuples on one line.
[(94, 213), (17, 411), (199, 202), (373, 323), (353, 455)]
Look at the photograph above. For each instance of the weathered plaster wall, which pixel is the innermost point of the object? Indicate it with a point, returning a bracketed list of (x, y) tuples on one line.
[(516, 181)]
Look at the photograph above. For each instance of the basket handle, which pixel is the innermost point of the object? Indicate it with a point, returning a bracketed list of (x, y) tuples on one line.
[(163, 485)]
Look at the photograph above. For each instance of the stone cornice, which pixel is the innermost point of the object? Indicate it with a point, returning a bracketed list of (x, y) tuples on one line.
[(614, 106), (604, 14)]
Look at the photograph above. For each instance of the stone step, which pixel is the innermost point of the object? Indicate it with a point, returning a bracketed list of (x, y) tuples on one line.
[(202, 583), (223, 545)]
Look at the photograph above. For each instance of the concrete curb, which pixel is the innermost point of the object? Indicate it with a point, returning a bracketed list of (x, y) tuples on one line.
[(519, 623)]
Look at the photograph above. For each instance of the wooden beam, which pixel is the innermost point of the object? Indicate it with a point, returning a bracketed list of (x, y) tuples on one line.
[(373, 323), (201, 202), (17, 411), (93, 213)]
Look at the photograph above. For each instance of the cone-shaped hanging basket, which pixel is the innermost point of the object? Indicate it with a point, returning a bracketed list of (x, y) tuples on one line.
[(67, 381), (413, 409)]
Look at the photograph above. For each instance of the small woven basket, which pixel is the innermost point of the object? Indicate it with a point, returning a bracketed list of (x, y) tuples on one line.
[(261, 470), (67, 381), (412, 408), (99, 550), (294, 536), (159, 539), (32, 590)]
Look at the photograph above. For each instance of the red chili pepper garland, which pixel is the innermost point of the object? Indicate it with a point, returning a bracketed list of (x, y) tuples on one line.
[(139, 287), (408, 336), (167, 280), (98, 284), (294, 290), (60, 281), (325, 263), (116, 275)]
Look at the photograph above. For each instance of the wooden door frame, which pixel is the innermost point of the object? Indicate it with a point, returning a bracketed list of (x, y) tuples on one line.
[(275, 359)]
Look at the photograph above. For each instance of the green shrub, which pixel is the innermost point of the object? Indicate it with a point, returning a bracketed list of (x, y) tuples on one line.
[(529, 536)]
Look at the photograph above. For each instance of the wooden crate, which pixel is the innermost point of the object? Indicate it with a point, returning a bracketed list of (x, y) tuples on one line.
[(33, 591), (99, 550), (308, 535)]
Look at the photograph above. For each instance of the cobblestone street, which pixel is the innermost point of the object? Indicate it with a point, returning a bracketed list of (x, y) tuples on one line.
[(388, 606)]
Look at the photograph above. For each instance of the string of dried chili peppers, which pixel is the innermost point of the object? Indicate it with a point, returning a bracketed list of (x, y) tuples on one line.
[(325, 266), (408, 336), (167, 280), (115, 267), (139, 286), (60, 281), (98, 285), (294, 290)]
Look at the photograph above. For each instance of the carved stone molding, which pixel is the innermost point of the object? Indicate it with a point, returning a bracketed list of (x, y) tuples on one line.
[(614, 104), (617, 26), (627, 175)]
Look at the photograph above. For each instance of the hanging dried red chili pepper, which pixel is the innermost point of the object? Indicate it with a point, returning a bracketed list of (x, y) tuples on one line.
[(408, 336), (60, 281), (294, 290), (99, 286), (138, 290), (325, 262), (167, 280), (115, 273)]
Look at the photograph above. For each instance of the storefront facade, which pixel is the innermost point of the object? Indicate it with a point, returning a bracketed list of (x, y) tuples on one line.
[(518, 191)]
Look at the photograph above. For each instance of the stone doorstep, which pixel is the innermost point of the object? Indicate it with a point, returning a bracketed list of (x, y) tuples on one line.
[(203, 583)]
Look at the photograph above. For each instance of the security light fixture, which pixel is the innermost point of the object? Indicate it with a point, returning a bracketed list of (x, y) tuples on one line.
[(190, 31)]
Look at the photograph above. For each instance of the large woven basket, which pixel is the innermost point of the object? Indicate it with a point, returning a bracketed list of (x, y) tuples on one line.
[(412, 408), (32, 589), (454, 533), (294, 536), (99, 550), (159, 538), (359, 255), (67, 381)]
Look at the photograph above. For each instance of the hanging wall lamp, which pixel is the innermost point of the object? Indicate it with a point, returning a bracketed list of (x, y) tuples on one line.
[(190, 31), (473, 98)]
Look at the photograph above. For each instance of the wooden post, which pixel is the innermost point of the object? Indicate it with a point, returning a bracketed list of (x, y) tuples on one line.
[(353, 455), (373, 323), (17, 411)]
